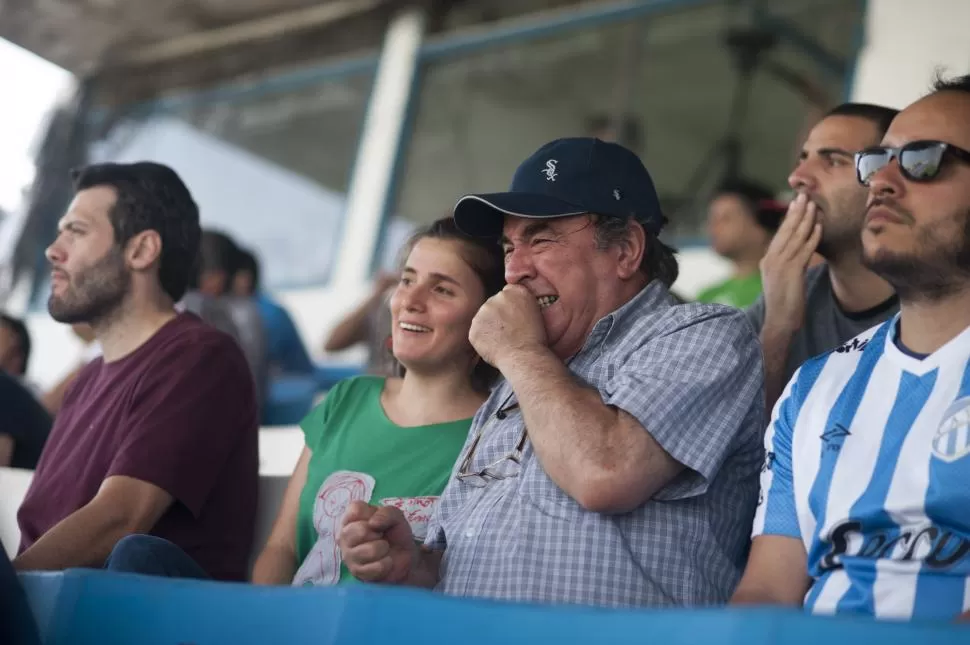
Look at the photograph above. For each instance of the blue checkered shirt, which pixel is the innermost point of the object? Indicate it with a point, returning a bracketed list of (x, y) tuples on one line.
[(692, 375)]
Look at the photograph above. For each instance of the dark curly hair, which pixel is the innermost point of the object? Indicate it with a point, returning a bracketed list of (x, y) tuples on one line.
[(151, 197)]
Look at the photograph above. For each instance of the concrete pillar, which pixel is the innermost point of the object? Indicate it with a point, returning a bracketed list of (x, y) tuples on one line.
[(380, 140)]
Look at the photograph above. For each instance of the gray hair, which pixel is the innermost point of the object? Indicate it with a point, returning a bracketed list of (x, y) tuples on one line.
[(659, 260)]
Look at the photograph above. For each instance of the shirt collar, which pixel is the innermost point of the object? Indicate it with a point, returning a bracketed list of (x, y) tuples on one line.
[(652, 297)]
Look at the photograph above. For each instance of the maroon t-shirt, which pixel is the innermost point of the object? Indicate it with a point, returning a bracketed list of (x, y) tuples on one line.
[(178, 412)]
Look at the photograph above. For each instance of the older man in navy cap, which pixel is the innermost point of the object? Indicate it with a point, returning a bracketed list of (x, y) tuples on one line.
[(618, 463)]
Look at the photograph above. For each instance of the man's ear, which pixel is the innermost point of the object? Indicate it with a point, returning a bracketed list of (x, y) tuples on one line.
[(143, 250), (630, 250)]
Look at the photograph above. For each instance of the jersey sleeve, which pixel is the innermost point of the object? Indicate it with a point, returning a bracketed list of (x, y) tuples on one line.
[(776, 513)]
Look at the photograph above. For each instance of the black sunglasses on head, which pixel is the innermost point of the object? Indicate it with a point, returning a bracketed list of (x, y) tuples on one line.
[(918, 160)]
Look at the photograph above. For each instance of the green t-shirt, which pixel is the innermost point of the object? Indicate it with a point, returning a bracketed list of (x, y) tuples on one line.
[(360, 454), (735, 292)]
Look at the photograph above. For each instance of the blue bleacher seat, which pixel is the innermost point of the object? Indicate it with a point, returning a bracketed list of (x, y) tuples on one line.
[(85, 607), (288, 400), (290, 397), (328, 375)]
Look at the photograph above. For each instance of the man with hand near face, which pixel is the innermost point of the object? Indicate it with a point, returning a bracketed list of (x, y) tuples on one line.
[(617, 464), (805, 310), (868, 454)]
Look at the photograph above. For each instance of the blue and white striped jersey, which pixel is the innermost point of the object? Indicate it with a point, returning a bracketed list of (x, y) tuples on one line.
[(868, 463)]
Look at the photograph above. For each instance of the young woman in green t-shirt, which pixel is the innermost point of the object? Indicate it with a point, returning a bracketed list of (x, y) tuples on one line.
[(392, 440)]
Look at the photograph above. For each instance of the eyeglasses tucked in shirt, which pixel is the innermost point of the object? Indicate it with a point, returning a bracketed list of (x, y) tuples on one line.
[(503, 468)]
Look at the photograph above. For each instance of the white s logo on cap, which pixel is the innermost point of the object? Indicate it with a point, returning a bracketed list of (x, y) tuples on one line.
[(550, 170)]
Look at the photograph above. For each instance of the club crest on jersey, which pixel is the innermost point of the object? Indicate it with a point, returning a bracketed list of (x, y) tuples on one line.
[(952, 441)]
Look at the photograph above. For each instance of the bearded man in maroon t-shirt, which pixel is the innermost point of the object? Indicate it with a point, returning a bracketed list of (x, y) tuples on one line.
[(159, 435)]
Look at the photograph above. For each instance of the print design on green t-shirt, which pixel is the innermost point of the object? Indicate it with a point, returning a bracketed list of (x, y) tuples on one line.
[(349, 434), (322, 564), (417, 511)]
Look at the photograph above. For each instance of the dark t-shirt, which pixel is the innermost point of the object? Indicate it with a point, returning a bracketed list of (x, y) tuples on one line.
[(25, 420), (179, 412), (826, 325)]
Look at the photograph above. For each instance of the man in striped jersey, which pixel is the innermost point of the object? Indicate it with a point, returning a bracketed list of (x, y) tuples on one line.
[(865, 489)]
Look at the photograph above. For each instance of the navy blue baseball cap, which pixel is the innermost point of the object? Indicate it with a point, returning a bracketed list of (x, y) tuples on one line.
[(568, 177)]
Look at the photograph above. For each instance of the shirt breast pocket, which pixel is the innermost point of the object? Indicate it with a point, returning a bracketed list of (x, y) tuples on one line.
[(540, 492)]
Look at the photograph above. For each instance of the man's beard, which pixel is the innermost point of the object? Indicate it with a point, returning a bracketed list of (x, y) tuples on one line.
[(93, 294), (939, 267), (841, 228)]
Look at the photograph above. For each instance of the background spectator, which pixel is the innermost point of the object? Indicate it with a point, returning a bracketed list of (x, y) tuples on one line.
[(212, 300), (370, 324), (626, 131), (742, 218), (805, 311), (24, 425), (285, 352), (14, 346)]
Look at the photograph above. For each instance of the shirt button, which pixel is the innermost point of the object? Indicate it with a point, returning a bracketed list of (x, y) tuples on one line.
[(469, 533)]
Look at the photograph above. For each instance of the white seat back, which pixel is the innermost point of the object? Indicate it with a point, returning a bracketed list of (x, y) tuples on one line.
[(279, 450), (14, 483)]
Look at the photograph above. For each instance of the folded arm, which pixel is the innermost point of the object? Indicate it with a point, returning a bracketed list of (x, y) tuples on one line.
[(85, 538), (598, 454)]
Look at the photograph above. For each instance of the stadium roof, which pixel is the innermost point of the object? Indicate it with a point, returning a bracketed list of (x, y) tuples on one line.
[(139, 49)]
